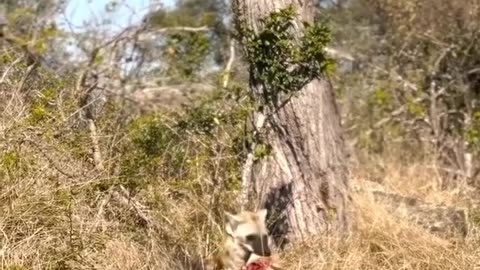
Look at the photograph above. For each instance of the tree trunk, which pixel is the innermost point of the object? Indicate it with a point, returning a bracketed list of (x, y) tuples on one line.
[(304, 180)]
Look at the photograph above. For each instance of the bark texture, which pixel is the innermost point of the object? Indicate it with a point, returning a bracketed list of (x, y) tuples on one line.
[(304, 181)]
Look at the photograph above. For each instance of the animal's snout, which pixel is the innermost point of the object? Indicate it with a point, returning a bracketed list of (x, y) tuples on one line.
[(259, 244)]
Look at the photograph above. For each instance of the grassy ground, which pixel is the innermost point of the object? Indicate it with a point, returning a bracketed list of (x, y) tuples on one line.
[(382, 241), (53, 221), (167, 180)]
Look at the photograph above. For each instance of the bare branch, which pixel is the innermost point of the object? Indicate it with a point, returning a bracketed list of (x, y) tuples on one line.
[(153, 34), (52, 162), (228, 67), (97, 155), (182, 29), (80, 87)]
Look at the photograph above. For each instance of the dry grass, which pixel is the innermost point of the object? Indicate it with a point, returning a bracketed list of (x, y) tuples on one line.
[(58, 212), (382, 241), (43, 227)]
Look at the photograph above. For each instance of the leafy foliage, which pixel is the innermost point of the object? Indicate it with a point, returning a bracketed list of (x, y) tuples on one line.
[(281, 61), (182, 150), (421, 55), (186, 53)]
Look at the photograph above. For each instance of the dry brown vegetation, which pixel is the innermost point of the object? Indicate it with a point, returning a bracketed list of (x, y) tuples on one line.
[(54, 216)]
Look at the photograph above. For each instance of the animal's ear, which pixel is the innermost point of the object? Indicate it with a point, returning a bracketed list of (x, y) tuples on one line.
[(232, 223), (262, 214)]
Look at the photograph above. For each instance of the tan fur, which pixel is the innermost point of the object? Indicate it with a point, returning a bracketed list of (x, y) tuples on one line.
[(246, 239)]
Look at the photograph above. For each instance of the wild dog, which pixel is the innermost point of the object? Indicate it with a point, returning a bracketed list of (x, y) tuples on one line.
[(247, 245)]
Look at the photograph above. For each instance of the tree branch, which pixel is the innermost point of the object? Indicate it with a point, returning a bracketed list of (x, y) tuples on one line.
[(229, 65), (80, 87), (150, 35)]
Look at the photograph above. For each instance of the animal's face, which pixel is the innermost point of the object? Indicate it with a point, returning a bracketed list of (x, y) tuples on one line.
[(249, 230)]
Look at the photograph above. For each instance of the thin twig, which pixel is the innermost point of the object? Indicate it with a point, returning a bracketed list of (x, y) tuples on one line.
[(101, 208), (97, 155), (29, 72), (52, 162), (7, 70), (124, 198)]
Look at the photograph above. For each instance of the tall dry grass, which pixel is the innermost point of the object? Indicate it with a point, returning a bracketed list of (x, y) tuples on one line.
[(44, 227), (58, 212)]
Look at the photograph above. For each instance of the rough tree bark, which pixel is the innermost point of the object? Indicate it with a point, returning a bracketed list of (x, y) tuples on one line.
[(304, 181)]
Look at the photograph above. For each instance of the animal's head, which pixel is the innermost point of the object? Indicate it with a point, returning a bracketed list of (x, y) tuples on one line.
[(249, 230)]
